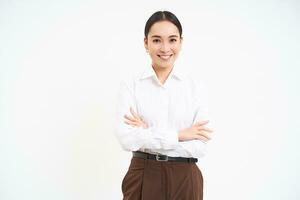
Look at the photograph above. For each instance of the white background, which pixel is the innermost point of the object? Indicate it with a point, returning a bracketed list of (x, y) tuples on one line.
[(60, 67)]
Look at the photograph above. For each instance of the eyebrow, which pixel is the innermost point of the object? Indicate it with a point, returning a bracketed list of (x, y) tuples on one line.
[(157, 36)]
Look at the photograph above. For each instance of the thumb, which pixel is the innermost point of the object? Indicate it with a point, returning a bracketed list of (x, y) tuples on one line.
[(201, 123)]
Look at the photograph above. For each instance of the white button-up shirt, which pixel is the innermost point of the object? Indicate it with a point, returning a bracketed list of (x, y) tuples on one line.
[(166, 108)]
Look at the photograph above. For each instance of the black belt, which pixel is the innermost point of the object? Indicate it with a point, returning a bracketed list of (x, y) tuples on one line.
[(159, 157)]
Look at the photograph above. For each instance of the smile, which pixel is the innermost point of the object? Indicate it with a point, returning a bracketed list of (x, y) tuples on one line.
[(165, 57)]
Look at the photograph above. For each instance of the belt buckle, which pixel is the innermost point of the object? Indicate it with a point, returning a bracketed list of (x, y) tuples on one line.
[(161, 157)]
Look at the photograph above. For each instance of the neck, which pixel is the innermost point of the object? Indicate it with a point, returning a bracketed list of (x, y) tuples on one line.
[(162, 73)]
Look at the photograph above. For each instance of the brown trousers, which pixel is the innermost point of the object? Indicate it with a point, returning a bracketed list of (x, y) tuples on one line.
[(160, 180)]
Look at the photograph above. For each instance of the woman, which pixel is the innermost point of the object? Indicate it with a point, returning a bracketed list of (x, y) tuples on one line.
[(161, 119)]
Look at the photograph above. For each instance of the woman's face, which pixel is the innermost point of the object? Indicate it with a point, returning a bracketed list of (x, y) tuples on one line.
[(163, 44)]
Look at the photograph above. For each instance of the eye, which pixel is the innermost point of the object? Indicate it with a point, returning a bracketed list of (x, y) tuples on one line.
[(156, 40), (173, 40)]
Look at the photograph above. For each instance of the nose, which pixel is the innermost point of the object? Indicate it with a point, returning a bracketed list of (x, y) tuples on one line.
[(165, 47)]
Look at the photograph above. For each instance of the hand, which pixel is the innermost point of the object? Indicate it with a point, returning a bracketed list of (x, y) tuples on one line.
[(196, 132), (135, 120)]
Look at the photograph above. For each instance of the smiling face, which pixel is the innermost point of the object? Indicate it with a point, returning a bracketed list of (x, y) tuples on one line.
[(163, 44)]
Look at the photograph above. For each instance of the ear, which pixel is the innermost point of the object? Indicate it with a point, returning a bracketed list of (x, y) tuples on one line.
[(146, 43), (181, 40)]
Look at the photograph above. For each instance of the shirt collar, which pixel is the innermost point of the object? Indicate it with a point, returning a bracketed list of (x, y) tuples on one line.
[(149, 72)]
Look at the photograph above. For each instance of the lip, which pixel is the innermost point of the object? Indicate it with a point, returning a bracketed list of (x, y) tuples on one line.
[(165, 55)]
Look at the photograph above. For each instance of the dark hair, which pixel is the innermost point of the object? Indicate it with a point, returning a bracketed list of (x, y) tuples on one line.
[(162, 16)]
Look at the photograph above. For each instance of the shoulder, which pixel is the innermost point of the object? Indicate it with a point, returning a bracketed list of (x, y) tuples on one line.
[(195, 82), (130, 81)]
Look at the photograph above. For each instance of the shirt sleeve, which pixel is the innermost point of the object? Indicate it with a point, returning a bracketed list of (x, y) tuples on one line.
[(198, 148), (134, 138)]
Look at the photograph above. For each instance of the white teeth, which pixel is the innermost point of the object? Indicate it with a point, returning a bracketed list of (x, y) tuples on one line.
[(165, 57)]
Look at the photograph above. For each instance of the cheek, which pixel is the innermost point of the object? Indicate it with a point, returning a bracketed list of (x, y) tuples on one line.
[(176, 49), (153, 49), (153, 53)]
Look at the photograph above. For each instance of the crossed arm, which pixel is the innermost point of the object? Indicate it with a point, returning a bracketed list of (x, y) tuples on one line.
[(197, 131)]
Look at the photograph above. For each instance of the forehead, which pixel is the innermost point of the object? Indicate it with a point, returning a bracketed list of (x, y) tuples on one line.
[(163, 29)]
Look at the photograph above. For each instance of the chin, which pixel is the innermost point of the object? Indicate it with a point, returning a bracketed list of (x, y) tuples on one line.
[(163, 65)]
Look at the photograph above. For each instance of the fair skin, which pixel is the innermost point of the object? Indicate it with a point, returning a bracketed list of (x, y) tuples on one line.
[(163, 44)]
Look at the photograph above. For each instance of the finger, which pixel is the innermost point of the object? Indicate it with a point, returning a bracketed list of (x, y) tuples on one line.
[(201, 123), (134, 114), (205, 129), (131, 123), (199, 137), (204, 134), (130, 118), (208, 130)]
